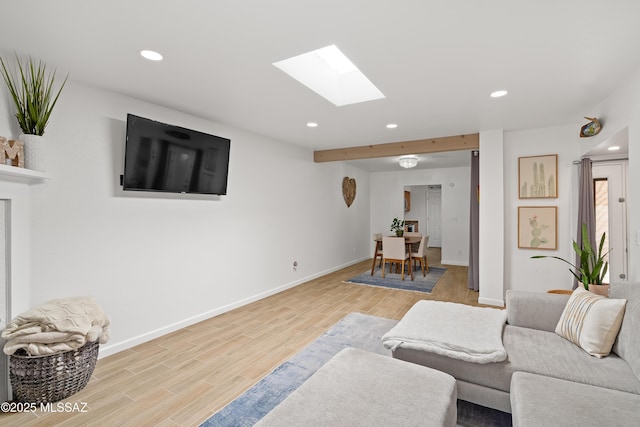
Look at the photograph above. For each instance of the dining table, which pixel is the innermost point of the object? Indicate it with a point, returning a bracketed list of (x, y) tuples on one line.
[(408, 240)]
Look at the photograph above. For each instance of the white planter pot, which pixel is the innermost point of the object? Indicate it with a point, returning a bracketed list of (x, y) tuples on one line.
[(35, 157)]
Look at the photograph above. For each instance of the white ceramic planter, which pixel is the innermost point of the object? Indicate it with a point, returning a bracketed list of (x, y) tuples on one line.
[(35, 157)]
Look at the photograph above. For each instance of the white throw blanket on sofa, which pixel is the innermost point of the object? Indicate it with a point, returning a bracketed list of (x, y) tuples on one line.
[(472, 334), (57, 326)]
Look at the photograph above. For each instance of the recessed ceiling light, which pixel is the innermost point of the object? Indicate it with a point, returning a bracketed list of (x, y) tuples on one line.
[(392, 126), (329, 73), (613, 148), (151, 55), (312, 124), (499, 93)]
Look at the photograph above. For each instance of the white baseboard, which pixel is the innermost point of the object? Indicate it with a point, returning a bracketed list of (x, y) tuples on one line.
[(460, 263), (107, 350), (489, 301)]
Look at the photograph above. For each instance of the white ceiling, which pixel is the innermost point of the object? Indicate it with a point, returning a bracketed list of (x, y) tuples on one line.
[(436, 61)]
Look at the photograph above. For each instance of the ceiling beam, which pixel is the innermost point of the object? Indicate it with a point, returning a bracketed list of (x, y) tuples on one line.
[(431, 145)]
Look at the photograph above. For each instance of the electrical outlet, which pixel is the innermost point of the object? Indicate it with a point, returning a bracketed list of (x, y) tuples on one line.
[(295, 265)]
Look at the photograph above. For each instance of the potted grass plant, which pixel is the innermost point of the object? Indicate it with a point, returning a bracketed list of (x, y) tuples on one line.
[(593, 267), (31, 87), (397, 226)]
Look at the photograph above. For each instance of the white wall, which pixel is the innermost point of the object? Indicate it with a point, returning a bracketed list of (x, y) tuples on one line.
[(522, 272), (160, 263), (387, 192), (491, 219), (618, 111)]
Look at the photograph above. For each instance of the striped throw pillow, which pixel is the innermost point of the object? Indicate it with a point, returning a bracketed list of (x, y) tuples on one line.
[(591, 321)]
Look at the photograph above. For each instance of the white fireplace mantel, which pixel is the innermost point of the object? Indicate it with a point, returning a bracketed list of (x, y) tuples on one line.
[(21, 175)]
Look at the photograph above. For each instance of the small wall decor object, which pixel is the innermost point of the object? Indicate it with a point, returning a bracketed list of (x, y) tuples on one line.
[(590, 129), (11, 152), (538, 177), (407, 201), (348, 190), (538, 227)]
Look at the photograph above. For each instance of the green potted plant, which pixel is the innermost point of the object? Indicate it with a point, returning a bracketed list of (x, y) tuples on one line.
[(31, 89), (593, 267), (397, 226)]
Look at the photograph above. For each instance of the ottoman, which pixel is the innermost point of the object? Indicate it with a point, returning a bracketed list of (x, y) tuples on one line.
[(359, 388)]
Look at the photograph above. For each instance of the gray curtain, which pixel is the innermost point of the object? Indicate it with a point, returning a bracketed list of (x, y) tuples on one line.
[(586, 207), (474, 280)]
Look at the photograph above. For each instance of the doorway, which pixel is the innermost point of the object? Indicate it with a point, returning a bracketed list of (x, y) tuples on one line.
[(433, 200), (609, 181), (424, 211)]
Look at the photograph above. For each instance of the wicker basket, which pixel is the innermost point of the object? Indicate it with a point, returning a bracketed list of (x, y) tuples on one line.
[(42, 379)]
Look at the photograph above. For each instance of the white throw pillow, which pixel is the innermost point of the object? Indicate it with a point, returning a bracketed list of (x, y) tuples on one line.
[(591, 321)]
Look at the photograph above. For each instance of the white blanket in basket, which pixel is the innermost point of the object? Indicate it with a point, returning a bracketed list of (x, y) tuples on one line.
[(57, 326), (472, 334)]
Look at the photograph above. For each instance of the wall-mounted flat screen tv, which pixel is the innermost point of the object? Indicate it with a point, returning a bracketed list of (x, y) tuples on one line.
[(167, 158)]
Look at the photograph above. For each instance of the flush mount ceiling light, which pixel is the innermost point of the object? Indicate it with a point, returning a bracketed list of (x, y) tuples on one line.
[(329, 73), (312, 125), (408, 162), (613, 148), (151, 55), (392, 126), (498, 93)]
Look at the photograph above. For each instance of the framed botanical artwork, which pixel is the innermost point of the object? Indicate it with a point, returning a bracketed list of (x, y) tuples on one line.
[(538, 227), (538, 177)]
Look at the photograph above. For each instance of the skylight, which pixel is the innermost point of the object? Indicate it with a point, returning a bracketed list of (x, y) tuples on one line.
[(329, 73)]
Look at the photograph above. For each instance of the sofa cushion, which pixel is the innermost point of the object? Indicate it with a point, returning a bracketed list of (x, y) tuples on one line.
[(535, 310), (546, 353), (538, 352), (591, 321), (627, 345), (543, 401)]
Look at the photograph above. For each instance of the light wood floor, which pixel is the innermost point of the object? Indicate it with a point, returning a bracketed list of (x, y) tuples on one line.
[(184, 377)]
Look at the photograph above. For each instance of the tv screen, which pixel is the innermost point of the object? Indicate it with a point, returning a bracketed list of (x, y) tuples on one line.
[(163, 157)]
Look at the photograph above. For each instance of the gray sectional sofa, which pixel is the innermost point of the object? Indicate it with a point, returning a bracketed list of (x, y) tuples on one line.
[(545, 373)]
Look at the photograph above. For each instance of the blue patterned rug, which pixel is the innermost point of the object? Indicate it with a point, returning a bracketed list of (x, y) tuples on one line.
[(355, 330), (420, 283)]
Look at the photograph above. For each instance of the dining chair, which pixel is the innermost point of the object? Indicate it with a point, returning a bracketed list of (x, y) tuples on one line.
[(377, 237), (421, 255), (414, 246), (394, 250)]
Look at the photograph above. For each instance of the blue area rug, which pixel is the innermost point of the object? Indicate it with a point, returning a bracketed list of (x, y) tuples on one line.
[(394, 280), (355, 330)]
